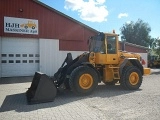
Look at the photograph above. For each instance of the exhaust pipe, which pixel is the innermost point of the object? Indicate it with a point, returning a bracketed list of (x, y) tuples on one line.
[(123, 45)]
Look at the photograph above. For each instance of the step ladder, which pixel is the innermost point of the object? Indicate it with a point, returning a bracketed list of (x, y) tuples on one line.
[(115, 71)]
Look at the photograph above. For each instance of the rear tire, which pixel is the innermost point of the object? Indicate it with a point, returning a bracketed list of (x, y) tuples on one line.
[(83, 80), (131, 78)]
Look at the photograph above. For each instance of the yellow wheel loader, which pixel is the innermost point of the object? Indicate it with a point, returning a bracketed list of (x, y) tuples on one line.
[(103, 63)]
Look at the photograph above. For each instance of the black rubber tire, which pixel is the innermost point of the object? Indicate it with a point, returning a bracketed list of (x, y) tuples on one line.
[(75, 78), (125, 82)]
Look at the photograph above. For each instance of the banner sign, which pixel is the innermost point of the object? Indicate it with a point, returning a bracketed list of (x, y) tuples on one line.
[(20, 25)]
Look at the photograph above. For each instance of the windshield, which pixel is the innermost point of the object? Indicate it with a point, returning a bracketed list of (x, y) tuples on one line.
[(97, 43)]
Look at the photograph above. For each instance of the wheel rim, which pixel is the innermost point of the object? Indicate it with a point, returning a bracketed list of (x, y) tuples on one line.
[(85, 81), (134, 78)]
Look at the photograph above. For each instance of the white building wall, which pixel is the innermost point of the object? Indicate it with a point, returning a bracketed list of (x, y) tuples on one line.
[(48, 55), (144, 56), (51, 58)]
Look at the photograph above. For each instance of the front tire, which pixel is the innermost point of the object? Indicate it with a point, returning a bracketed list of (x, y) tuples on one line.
[(131, 78), (83, 80)]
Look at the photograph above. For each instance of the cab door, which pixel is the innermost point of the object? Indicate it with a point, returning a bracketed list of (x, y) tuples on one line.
[(112, 49)]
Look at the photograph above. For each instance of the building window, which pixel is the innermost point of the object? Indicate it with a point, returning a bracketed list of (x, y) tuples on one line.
[(11, 55), (24, 61), (4, 55), (36, 61), (4, 61), (18, 55), (11, 61), (30, 61), (24, 55), (18, 61), (30, 55)]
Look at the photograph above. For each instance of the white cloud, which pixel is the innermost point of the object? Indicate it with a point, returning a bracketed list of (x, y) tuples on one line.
[(91, 10), (128, 22), (122, 15)]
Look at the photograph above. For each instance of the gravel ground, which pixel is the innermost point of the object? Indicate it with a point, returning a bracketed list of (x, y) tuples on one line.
[(106, 103)]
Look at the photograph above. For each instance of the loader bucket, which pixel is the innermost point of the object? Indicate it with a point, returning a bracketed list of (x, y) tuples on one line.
[(42, 89)]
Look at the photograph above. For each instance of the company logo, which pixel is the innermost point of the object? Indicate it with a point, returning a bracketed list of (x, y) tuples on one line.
[(30, 24), (20, 25)]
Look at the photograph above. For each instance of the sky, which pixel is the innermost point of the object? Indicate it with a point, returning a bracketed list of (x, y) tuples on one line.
[(106, 15)]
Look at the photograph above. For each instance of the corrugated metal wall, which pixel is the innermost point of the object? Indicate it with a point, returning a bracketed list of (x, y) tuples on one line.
[(52, 24), (51, 58)]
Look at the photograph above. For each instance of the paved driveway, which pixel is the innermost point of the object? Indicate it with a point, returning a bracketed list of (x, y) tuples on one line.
[(106, 103)]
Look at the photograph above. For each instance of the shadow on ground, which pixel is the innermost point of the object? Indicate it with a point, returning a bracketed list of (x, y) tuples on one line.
[(18, 102), (155, 71), (13, 80)]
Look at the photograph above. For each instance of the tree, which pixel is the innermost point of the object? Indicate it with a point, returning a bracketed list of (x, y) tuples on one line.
[(157, 46), (137, 33), (154, 46)]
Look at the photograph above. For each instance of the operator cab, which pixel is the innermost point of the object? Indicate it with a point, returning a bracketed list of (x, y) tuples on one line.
[(103, 43), (105, 47)]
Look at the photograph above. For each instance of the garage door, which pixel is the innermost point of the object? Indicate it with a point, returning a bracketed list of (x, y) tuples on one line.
[(19, 57)]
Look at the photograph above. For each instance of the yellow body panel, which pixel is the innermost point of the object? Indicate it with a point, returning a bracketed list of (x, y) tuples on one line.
[(100, 58), (129, 55), (104, 59), (147, 71), (107, 74)]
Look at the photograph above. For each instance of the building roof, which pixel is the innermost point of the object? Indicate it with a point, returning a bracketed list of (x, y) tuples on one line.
[(135, 45), (58, 12)]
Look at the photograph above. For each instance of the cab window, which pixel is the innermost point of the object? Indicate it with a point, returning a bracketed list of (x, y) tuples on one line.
[(111, 44)]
